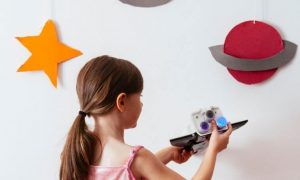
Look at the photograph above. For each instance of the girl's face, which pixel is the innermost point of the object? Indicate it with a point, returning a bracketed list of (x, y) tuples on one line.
[(133, 109)]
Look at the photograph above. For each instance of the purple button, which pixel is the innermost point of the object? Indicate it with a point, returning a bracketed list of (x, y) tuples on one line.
[(204, 127)]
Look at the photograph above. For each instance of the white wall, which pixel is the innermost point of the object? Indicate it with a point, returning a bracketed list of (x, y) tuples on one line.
[(170, 46)]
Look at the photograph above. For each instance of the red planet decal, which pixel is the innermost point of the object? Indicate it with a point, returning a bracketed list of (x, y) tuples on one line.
[(253, 51)]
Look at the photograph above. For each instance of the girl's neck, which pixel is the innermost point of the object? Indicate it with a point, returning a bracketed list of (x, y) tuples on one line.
[(110, 133), (109, 128)]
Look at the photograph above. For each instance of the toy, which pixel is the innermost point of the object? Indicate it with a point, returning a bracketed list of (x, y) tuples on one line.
[(202, 124), (202, 120)]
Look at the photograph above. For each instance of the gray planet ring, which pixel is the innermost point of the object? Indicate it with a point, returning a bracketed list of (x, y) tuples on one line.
[(241, 64), (145, 3)]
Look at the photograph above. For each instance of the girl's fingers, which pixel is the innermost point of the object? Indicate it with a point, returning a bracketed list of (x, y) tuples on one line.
[(186, 154), (214, 125), (229, 130)]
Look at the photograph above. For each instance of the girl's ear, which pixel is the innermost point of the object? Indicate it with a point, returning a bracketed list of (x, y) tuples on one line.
[(120, 102)]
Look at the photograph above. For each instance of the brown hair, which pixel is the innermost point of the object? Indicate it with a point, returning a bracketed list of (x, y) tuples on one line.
[(99, 83)]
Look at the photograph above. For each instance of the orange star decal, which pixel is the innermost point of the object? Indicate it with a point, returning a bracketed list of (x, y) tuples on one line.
[(46, 52)]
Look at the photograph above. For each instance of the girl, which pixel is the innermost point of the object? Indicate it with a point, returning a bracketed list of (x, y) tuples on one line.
[(109, 91)]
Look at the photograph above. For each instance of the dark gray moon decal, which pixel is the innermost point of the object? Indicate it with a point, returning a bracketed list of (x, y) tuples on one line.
[(145, 3)]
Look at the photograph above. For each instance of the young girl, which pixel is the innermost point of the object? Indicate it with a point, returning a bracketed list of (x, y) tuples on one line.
[(109, 91)]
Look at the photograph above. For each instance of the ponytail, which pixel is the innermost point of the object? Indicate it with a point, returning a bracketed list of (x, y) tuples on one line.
[(78, 151)]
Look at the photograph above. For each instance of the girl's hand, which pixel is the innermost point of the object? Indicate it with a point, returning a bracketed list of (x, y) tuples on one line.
[(219, 142), (172, 153), (180, 155)]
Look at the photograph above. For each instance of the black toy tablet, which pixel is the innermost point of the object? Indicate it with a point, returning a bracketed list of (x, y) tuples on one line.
[(188, 141)]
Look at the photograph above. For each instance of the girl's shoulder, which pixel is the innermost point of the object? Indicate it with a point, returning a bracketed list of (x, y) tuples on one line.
[(144, 160), (141, 156), (142, 152), (147, 166)]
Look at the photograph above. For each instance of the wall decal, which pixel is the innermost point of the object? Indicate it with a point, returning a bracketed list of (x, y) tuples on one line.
[(145, 3), (253, 51), (47, 52)]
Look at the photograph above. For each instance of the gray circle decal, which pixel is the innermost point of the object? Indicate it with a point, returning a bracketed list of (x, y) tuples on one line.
[(145, 3)]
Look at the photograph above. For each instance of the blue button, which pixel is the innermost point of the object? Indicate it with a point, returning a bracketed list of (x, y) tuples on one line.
[(221, 122)]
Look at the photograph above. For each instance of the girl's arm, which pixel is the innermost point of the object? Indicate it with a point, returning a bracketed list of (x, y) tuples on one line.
[(217, 143), (207, 166), (148, 166), (171, 153)]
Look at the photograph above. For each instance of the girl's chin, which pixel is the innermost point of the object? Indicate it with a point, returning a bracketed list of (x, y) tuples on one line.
[(132, 126)]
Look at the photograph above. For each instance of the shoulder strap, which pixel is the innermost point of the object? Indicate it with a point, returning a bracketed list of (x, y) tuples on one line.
[(133, 152)]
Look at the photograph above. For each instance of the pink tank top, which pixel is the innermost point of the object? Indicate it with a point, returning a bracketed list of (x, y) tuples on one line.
[(114, 173)]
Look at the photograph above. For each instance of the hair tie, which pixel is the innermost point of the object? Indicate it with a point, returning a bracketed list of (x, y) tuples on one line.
[(82, 113)]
